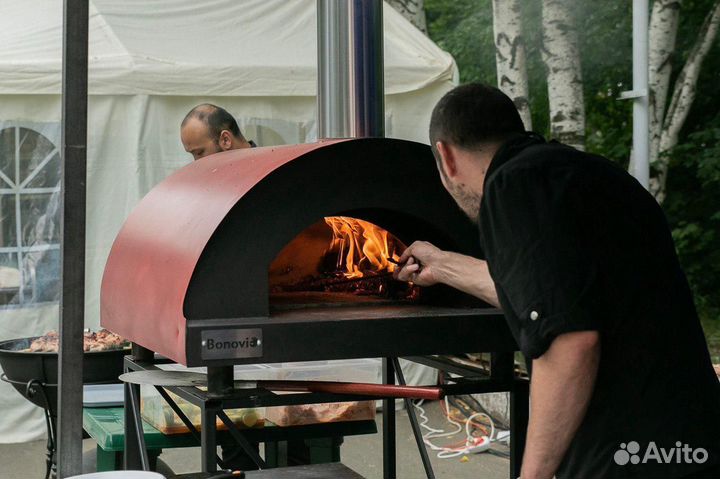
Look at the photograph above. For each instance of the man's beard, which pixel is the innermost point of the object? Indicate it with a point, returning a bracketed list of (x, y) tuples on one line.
[(468, 201)]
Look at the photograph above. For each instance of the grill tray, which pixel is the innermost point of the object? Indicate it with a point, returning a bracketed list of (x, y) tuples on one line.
[(19, 368)]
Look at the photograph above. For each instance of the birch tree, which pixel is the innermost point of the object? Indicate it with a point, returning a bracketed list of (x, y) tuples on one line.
[(682, 98), (413, 10), (662, 32), (510, 61), (561, 56)]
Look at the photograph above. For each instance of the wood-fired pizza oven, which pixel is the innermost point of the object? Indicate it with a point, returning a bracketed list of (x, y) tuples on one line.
[(190, 273)]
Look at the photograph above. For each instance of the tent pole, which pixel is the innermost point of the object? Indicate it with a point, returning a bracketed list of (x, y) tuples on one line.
[(72, 301), (641, 133)]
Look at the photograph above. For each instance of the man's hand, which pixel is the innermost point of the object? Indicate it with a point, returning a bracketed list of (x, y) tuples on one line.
[(425, 265), (421, 264), (560, 390)]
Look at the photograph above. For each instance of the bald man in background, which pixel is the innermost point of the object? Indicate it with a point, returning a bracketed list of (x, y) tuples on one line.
[(209, 129)]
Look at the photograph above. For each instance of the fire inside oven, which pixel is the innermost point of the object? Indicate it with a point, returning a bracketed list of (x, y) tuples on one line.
[(339, 260)]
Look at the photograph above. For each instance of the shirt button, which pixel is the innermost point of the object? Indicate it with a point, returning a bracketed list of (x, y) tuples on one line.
[(534, 315)]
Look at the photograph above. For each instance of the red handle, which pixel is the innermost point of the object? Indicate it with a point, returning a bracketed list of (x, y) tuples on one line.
[(360, 389)]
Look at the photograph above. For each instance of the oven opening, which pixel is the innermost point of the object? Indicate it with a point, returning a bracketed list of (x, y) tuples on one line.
[(339, 261)]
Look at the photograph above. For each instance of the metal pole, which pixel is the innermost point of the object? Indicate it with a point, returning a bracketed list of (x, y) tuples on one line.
[(333, 69), (641, 133), (389, 436), (72, 301), (351, 87), (367, 86), (519, 418), (414, 424)]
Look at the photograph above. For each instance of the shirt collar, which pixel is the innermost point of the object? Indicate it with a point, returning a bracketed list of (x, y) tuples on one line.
[(510, 149)]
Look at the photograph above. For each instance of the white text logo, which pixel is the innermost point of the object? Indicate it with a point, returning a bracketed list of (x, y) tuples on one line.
[(680, 454)]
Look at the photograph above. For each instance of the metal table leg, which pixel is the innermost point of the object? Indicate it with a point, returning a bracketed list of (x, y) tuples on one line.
[(519, 415), (208, 434), (389, 459), (136, 456), (414, 424), (502, 366)]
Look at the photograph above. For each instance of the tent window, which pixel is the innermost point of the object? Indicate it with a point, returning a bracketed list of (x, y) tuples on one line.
[(29, 217)]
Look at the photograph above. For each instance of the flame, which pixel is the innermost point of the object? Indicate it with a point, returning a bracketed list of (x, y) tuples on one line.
[(361, 247)]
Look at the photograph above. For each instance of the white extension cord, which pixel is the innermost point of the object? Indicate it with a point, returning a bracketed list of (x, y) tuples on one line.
[(472, 444)]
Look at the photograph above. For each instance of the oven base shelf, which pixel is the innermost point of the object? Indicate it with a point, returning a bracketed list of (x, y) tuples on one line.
[(344, 332)]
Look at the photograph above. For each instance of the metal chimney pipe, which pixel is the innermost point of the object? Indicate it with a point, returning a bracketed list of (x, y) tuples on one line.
[(351, 88)]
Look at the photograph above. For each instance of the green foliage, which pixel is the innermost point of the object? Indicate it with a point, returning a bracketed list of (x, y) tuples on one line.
[(693, 209), (693, 201), (605, 38), (707, 103), (464, 28)]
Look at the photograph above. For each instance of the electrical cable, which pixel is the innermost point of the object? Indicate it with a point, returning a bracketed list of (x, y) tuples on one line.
[(471, 444)]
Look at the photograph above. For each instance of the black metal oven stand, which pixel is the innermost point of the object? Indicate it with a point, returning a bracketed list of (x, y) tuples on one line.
[(502, 379), (220, 397)]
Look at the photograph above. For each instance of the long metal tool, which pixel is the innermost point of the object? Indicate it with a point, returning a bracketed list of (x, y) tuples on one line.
[(362, 389), (189, 379), (72, 301)]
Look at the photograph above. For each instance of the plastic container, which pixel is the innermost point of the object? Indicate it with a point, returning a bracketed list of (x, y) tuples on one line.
[(303, 414), (157, 412), (355, 370), (351, 370), (119, 475), (348, 370)]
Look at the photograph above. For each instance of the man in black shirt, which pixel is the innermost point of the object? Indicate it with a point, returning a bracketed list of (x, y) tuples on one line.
[(580, 259)]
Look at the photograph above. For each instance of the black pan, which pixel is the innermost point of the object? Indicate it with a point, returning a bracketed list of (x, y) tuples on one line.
[(21, 368)]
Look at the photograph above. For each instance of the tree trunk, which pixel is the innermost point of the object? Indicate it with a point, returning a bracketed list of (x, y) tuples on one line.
[(562, 61), (661, 38), (413, 10), (683, 97), (510, 56)]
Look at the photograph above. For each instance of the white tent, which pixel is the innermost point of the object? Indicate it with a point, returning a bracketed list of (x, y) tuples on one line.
[(150, 62)]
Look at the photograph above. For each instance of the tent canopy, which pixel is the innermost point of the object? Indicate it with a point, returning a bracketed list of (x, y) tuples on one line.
[(189, 48)]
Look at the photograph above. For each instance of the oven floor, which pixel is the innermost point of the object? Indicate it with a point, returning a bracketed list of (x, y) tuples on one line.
[(300, 300), (372, 310)]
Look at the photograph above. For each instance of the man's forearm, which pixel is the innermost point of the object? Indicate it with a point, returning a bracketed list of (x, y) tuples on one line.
[(470, 275), (562, 383)]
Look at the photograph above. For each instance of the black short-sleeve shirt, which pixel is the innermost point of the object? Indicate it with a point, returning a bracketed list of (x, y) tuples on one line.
[(574, 243)]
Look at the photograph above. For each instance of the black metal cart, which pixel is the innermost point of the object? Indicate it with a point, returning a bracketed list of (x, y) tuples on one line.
[(502, 378)]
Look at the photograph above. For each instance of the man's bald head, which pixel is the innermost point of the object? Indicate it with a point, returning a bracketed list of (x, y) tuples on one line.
[(208, 129)]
